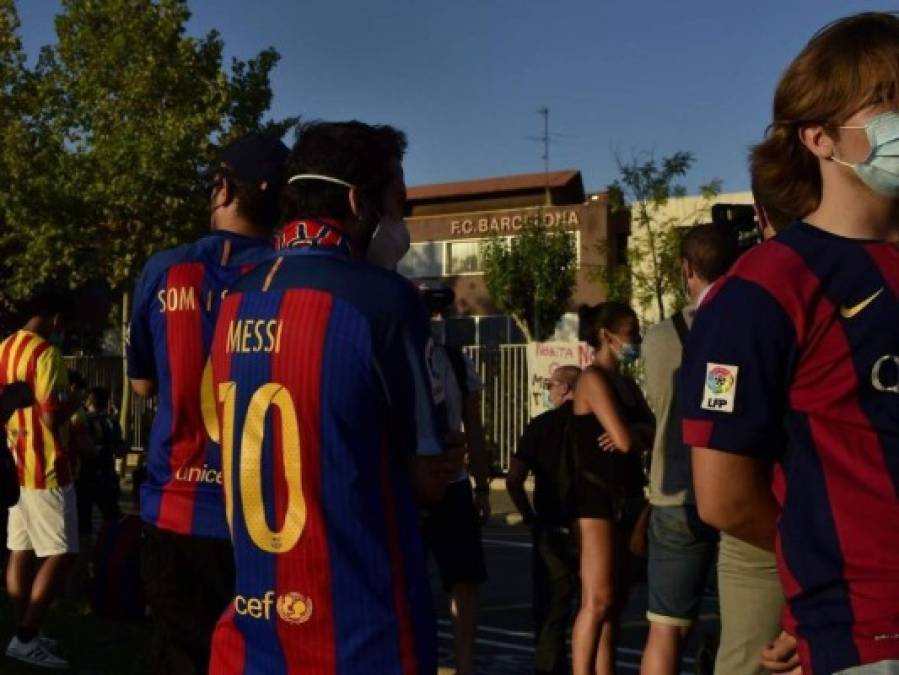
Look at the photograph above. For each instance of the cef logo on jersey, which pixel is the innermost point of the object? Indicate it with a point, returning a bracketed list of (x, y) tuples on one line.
[(720, 387), (293, 608)]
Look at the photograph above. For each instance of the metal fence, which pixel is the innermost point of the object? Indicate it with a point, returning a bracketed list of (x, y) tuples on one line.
[(504, 404), (106, 371)]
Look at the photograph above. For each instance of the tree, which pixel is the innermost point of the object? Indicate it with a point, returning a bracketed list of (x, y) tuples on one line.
[(127, 112), (531, 276), (645, 187)]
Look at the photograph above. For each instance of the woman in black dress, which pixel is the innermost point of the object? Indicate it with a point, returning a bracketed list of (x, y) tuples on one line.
[(613, 425)]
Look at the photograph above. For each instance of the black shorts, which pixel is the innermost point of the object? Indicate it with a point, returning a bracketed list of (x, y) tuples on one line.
[(592, 501), (189, 581), (453, 533)]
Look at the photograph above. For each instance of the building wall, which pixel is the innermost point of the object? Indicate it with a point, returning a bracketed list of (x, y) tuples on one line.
[(678, 212), (446, 248)]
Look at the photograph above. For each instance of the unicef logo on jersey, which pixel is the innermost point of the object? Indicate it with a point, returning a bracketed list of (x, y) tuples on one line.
[(196, 474)]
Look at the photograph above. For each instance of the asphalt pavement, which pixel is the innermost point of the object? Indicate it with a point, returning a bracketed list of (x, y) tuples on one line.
[(506, 631)]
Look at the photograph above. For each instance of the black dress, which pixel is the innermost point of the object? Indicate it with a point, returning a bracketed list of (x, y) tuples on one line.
[(609, 484)]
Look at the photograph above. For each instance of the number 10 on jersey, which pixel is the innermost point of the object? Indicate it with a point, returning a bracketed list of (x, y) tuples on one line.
[(249, 471)]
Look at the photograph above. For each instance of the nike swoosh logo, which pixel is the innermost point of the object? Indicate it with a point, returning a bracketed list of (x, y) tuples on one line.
[(855, 310)]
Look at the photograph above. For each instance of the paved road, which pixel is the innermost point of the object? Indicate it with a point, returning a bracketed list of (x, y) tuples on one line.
[(505, 636)]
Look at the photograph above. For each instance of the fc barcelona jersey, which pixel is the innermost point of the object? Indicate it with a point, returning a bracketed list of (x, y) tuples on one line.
[(176, 300), (798, 349), (323, 389)]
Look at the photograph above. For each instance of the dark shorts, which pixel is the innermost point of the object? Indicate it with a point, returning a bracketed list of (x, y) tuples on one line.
[(189, 582), (592, 501), (682, 552), (452, 532)]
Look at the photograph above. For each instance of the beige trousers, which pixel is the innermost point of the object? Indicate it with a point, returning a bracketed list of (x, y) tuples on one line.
[(751, 601)]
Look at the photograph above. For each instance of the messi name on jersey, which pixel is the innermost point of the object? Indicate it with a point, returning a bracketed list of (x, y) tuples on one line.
[(248, 336)]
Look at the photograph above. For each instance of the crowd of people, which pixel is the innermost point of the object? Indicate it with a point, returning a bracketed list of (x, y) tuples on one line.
[(315, 438), (776, 422)]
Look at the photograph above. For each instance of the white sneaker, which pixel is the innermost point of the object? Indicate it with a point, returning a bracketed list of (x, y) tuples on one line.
[(35, 653), (49, 643)]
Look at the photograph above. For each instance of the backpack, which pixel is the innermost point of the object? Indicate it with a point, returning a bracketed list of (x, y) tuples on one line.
[(680, 325)]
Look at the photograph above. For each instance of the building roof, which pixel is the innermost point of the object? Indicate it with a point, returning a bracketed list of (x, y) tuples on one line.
[(499, 185)]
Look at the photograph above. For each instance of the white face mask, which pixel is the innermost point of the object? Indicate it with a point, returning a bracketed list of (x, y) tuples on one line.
[(880, 171), (389, 243)]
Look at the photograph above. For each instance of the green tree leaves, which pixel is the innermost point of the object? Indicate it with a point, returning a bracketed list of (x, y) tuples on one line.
[(645, 187), (531, 276), (110, 135)]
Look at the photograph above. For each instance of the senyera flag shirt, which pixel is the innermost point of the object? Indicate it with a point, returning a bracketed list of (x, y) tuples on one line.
[(41, 453), (794, 358), (176, 300), (325, 393)]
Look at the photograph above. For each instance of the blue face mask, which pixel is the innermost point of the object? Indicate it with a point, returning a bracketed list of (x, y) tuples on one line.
[(628, 353), (880, 171)]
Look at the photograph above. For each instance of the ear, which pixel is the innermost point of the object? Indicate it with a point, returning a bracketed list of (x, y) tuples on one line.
[(764, 222), (688, 268), (225, 194), (816, 139), (356, 202)]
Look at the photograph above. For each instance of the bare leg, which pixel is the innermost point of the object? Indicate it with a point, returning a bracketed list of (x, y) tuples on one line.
[(663, 649), (597, 543), (464, 610), (605, 653), (50, 575), (19, 578)]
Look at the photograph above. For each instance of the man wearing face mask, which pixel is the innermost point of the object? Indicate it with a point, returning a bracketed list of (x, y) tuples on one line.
[(795, 357), (554, 553), (186, 558), (331, 429), (42, 533), (682, 548), (452, 527)]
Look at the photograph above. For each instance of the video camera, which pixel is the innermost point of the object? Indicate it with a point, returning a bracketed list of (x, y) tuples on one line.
[(741, 220)]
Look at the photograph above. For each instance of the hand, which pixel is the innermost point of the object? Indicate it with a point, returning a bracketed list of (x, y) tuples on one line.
[(781, 656), (482, 505), (607, 444)]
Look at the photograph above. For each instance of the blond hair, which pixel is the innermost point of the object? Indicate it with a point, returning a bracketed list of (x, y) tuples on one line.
[(848, 65)]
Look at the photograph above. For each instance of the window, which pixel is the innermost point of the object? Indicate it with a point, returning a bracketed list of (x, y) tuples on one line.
[(424, 260), (463, 257)]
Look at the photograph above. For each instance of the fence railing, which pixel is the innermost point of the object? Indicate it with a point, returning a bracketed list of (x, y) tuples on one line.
[(504, 404), (504, 401), (106, 371)]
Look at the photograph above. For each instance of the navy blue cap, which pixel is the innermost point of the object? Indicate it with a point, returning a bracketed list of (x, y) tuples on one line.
[(256, 158)]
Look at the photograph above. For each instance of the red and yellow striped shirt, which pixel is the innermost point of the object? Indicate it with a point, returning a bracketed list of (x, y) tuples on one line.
[(41, 453)]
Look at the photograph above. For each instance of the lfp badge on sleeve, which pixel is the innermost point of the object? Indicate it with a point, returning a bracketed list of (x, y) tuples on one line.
[(720, 387)]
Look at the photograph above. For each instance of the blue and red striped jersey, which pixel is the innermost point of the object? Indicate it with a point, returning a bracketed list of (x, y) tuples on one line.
[(324, 392), (795, 358), (176, 300)]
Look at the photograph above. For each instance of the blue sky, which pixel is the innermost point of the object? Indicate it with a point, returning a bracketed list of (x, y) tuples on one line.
[(465, 78)]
